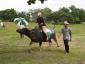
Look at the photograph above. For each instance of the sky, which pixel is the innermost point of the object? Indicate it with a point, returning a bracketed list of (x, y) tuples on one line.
[(21, 5)]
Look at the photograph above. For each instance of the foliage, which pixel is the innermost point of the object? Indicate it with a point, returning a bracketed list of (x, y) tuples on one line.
[(10, 14), (71, 14), (34, 1), (23, 15)]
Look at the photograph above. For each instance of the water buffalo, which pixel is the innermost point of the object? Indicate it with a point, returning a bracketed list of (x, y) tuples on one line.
[(36, 36)]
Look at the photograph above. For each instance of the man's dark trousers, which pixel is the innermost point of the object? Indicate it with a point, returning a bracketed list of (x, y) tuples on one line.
[(66, 45)]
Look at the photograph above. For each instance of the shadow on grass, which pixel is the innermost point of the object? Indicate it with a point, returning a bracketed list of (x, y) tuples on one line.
[(54, 50), (13, 51), (26, 49), (18, 49)]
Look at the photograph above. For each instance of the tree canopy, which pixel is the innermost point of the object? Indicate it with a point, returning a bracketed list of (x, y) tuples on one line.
[(34, 1), (71, 14)]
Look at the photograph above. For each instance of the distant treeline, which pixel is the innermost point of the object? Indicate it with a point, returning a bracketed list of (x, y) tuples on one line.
[(71, 14), (10, 14)]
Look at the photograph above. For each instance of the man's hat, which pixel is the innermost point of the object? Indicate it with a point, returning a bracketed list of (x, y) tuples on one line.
[(66, 22), (39, 14)]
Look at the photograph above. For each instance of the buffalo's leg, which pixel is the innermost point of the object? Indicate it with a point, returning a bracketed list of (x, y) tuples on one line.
[(21, 35), (50, 42), (30, 44), (40, 43), (55, 39)]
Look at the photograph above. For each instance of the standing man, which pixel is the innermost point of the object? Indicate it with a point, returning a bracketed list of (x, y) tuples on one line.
[(2, 24), (67, 35)]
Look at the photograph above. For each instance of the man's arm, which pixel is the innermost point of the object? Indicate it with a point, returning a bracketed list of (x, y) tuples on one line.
[(70, 35)]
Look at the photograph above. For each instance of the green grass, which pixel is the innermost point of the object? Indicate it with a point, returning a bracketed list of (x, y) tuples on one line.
[(14, 50)]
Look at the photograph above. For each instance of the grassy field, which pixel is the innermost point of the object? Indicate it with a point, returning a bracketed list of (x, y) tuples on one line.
[(14, 50)]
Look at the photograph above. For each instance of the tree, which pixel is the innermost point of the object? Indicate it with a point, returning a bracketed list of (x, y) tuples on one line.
[(46, 13), (1, 15), (33, 1), (23, 15), (78, 15), (8, 14), (62, 15), (33, 13), (71, 14)]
